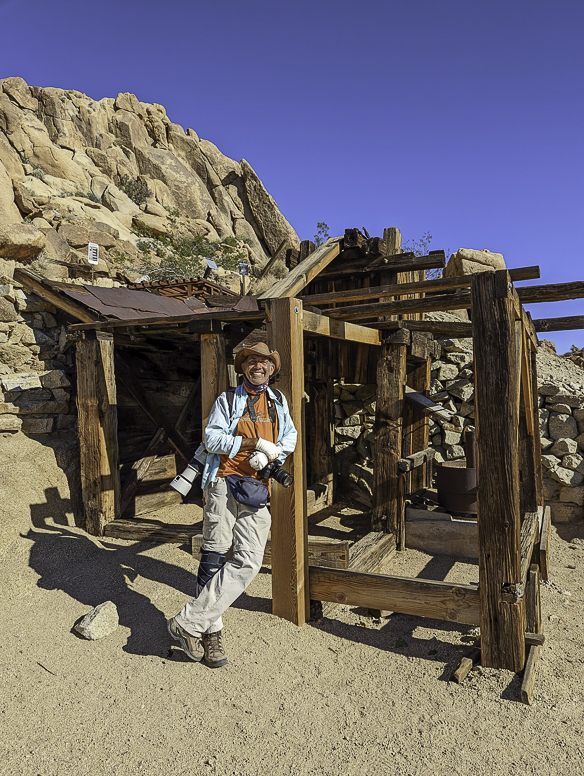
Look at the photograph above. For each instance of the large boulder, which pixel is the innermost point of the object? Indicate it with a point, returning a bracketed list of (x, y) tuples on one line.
[(21, 242), (272, 225), (9, 213), (468, 262)]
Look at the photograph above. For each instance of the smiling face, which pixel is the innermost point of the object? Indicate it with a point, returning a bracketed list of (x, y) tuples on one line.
[(257, 369)]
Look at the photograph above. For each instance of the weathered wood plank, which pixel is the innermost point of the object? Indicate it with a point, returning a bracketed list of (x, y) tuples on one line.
[(427, 405), (304, 271), (388, 482), (143, 530), (533, 601), (371, 551), (289, 524), (544, 543), (213, 371), (558, 324), (420, 598), (270, 263), (43, 288), (326, 327), (402, 307), (529, 537), (167, 324), (553, 292), (496, 384), (438, 536), (529, 675), (465, 666), (98, 428), (396, 289), (440, 329), (330, 553)]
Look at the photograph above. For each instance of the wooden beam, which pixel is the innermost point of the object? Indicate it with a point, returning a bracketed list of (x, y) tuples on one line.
[(414, 460), (528, 684), (290, 598), (214, 369), (417, 597), (330, 553), (496, 384), (559, 324), (442, 284), (533, 601), (388, 482), (168, 323), (324, 326), (143, 530), (305, 271), (322, 434), (43, 288), (98, 431), (544, 543), (440, 329), (408, 262), (270, 263), (427, 405), (553, 292), (402, 307), (465, 666), (529, 537)]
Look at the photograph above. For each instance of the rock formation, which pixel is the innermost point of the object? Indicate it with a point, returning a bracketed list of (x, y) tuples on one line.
[(71, 168)]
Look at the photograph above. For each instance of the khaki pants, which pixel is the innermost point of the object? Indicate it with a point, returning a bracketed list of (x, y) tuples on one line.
[(225, 521)]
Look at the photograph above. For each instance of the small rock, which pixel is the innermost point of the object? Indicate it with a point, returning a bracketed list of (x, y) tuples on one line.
[(567, 476), (564, 447), (562, 426), (548, 389), (100, 622)]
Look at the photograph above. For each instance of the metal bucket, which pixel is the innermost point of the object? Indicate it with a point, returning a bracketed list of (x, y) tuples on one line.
[(457, 487)]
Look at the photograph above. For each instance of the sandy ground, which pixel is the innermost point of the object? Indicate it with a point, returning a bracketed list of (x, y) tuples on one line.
[(345, 696)]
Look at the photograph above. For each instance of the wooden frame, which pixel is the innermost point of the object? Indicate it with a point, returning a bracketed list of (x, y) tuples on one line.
[(514, 524)]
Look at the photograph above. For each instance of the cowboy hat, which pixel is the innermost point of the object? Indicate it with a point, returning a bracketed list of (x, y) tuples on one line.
[(261, 349)]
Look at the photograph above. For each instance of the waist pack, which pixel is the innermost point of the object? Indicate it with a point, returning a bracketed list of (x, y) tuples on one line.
[(248, 491)]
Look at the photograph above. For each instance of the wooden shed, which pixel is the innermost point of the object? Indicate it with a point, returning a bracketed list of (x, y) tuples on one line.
[(353, 308)]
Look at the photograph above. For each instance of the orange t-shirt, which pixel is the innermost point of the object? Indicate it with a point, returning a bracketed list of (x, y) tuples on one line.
[(246, 428)]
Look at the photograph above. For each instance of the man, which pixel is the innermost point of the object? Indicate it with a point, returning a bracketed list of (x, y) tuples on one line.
[(244, 432)]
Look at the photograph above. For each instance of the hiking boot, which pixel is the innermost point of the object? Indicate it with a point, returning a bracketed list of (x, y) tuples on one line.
[(192, 645), (214, 652)]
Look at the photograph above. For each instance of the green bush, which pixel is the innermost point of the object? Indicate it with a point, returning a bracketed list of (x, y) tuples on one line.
[(136, 190)]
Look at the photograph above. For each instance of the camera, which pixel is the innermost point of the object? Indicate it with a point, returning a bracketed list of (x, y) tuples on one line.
[(282, 477), (183, 482)]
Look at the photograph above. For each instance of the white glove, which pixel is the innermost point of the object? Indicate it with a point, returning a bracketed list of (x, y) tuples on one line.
[(258, 460), (269, 448)]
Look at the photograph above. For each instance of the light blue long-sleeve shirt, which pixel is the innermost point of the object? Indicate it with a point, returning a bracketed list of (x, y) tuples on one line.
[(219, 439)]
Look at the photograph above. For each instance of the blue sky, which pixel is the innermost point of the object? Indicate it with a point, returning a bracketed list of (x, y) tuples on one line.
[(463, 119)]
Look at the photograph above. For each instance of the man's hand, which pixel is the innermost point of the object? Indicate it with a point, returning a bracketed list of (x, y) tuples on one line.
[(269, 448), (258, 460)]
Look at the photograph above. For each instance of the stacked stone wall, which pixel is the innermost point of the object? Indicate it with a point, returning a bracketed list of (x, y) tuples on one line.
[(561, 402), (35, 367)]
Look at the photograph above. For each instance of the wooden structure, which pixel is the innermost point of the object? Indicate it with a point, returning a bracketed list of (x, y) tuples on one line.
[(353, 308)]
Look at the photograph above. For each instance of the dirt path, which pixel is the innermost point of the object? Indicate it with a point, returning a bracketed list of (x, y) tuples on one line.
[(348, 696)]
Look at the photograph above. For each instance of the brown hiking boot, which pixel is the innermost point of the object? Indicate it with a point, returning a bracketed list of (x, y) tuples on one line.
[(192, 645), (214, 652)]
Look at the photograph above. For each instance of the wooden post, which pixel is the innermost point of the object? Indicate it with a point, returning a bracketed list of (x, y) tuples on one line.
[(290, 590), (98, 430), (416, 426), (213, 372), (533, 601), (321, 431), (388, 481), (494, 304), (536, 451)]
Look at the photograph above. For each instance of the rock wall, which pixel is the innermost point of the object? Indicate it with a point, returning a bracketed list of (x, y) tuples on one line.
[(65, 165), (561, 401)]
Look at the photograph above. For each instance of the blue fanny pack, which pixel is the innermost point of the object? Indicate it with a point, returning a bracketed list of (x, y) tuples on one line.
[(248, 491)]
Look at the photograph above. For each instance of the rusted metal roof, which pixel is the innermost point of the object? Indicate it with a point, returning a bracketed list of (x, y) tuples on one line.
[(126, 304), (181, 289)]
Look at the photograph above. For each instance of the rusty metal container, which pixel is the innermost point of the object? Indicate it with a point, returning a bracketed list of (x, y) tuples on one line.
[(456, 482)]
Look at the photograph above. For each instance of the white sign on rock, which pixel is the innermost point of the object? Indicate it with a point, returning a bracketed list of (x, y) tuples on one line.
[(93, 253)]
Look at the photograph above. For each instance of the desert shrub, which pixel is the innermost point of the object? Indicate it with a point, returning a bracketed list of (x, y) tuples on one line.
[(136, 190)]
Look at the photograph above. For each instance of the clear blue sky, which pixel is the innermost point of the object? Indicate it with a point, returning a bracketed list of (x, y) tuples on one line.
[(460, 118)]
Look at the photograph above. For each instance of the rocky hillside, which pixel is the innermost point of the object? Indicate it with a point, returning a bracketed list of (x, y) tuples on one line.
[(74, 170)]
